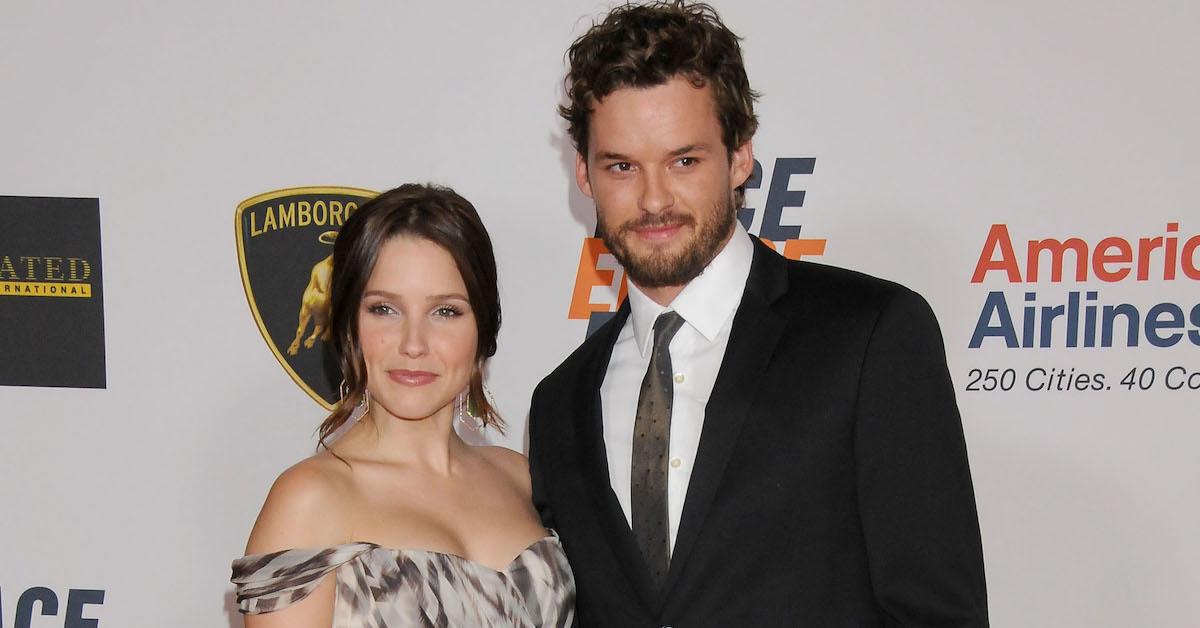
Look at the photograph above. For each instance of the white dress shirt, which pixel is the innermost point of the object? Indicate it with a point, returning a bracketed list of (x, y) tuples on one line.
[(707, 306)]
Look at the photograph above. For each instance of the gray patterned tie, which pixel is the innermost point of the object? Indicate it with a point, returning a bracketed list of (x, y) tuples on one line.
[(651, 440)]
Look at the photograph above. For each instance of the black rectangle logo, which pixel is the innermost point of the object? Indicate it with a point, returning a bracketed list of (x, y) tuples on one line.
[(51, 293)]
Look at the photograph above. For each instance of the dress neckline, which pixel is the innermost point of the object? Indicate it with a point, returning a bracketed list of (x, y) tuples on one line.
[(361, 546), (552, 536)]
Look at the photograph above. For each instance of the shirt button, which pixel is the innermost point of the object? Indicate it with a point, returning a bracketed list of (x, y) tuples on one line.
[(679, 378), (675, 462)]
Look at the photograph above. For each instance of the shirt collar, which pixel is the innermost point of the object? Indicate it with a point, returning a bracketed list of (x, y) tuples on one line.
[(707, 302)]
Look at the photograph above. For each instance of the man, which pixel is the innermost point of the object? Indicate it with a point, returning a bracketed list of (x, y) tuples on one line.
[(751, 441)]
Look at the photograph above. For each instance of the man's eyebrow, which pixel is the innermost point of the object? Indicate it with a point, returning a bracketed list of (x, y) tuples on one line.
[(690, 148), (607, 154), (683, 150)]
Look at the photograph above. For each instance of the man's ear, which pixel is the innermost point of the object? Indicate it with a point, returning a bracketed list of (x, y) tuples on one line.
[(741, 164), (581, 175)]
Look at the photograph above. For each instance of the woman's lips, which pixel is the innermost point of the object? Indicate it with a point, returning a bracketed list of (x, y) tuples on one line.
[(411, 378)]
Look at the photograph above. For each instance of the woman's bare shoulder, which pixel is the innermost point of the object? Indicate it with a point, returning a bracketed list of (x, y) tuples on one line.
[(307, 507), (512, 463)]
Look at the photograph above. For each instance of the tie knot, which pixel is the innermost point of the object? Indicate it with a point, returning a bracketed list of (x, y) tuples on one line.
[(665, 327)]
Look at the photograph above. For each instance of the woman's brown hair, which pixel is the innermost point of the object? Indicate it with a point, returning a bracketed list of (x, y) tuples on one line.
[(434, 213)]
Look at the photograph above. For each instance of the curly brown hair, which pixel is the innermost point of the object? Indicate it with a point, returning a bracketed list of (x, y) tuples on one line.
[(646, 45)]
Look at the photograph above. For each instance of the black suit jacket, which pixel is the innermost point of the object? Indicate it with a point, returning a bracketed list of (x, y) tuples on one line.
[(830, 487)]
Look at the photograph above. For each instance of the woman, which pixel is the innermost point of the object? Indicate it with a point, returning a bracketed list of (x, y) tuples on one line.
[(397, 521)]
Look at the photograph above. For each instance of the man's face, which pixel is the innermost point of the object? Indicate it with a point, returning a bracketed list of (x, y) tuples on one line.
[(662, 180)]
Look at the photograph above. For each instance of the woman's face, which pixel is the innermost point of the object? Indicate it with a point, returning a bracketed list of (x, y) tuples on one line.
[(417, 330)]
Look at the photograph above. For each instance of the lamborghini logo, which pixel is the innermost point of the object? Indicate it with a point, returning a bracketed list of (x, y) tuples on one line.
[(285, 250), (314, 305)]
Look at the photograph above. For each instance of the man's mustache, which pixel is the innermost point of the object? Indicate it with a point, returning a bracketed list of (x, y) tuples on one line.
[(657, 220)]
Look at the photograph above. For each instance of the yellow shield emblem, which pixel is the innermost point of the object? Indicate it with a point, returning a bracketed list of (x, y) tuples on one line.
[(285, 251)]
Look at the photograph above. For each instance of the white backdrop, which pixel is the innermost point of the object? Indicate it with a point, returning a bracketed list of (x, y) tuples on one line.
[(929, 122)]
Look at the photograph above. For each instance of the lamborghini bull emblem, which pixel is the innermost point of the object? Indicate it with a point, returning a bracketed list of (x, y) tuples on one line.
[(314, 304), (285, 250)]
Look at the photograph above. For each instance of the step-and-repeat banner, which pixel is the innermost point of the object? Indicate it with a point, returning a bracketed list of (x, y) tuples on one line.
[(172, 176)]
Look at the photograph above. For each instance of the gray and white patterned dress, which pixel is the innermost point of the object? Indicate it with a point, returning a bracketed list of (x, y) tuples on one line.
[(379, 587)]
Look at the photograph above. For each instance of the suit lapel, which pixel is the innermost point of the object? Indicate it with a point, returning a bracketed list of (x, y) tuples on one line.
[(752, 339), (588, 414)]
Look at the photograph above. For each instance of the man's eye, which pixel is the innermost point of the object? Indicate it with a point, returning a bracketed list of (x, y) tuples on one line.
[(688, 161), (621, 166)]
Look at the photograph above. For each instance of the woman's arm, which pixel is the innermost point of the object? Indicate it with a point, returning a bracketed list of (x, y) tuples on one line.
[(305, 509)]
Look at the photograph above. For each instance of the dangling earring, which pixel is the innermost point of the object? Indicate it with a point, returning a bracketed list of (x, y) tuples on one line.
[(464, 414), (364, 403)]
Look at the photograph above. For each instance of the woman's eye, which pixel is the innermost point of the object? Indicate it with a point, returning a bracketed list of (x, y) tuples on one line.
[(381, 309), (447, 311)]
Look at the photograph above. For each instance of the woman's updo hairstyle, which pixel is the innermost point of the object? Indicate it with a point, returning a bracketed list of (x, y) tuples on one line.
[(434, 213)]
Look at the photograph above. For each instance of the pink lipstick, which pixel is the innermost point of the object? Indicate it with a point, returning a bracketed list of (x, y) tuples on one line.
[(411, 378)]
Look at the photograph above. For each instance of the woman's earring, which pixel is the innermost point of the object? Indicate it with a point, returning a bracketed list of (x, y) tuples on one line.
[(364, 403), (464, 414)]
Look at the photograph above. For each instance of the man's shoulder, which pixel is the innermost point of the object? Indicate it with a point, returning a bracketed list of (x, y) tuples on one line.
[(581, 359), (841, 289)]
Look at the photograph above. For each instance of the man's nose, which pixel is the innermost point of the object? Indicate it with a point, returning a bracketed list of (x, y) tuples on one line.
[(656, 195)]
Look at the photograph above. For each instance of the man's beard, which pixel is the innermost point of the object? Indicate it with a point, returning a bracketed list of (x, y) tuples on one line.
[(658, 269)]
